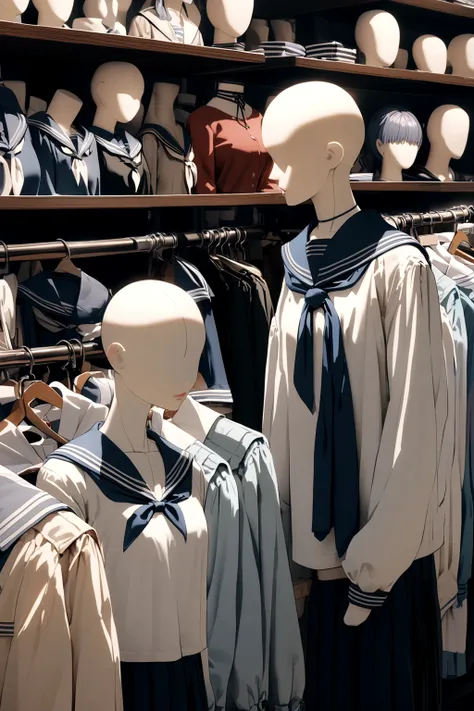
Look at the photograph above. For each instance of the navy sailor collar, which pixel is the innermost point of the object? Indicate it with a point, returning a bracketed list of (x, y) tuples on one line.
[(121, 143), (361, 239), (13, 124), (46, 124)]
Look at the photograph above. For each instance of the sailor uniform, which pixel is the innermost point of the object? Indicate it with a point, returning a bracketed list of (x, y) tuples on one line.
[(147, 24), (359, 316), (172, 168), (69, 163), (123, 170), (58, 305), (20, 172), (145, 507), (58, 643), (8, 325)]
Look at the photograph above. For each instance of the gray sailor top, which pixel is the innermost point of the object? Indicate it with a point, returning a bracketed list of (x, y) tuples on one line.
[(123, 170), (171, 165), (20, 172), (282, 682), (69, 163), (147, 24), (147, 510), (356, 403)]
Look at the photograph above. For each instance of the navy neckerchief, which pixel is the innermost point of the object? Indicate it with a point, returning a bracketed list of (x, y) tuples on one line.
[(361, 239), (120, 481), (164, 136), (67, 299), (22, 506), (85, 139)]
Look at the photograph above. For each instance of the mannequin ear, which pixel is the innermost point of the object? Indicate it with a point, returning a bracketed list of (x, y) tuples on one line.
[(116, 356), (334, 153), (380, 146)]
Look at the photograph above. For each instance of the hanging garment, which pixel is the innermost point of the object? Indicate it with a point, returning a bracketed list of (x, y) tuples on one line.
[(172, 168), (211, 367), (69, 162), (147, 24), (20, 172), (230, 156), (58, 643), (58, 305), (8, 326), (145, 507), (374, 498), (123, 170)]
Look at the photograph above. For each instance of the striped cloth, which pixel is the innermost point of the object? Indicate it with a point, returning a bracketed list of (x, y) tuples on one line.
[(333, 51)]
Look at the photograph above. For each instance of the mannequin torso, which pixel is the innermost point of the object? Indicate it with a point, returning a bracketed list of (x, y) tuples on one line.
[(19, 89), (448, 132)]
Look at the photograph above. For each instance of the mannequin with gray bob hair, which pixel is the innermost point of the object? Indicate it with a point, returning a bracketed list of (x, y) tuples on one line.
[(394, 137)]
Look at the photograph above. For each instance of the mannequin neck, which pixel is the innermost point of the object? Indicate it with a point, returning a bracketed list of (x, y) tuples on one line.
[(19, 89), (390, 171), (335, 198), (438, 162), (126, 422), (121, 17), (103, 119), (161, 108), (176, 5), (195, 419), (221, 37), (373, 60), (227, 104), (47, 18), (9, 13), (64, 108)]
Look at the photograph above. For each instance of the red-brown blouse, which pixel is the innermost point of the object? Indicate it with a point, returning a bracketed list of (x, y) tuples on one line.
[(229, 157)]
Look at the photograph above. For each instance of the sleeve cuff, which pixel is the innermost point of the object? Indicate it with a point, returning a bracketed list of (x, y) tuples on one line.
[(370, 601)]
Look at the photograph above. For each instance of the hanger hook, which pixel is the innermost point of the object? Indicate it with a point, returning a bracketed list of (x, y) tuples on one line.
[(66, 247), (82, 354), (71, 360)]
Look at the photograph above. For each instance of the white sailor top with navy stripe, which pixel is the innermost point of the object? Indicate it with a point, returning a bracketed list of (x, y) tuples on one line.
[(147, 510), (359, 314)]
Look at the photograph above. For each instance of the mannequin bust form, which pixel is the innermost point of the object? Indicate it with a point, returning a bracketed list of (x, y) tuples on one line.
[(257, 32), (117, 89), (377, 34), (118, 19), (227, 105), (401, 61), (64, 108), (19, 89), (96, 16), (448, 133), (230, 19), (430, 54), (168, 20), (283, 30), (135, 124), (53, 13), (461, 55), (35, 105), (395, 137), (161, 108), (12, 10)]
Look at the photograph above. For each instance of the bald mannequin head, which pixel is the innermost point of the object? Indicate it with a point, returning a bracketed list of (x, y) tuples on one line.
[(312, 130), (448, 129), (118, 87), (153, 335)]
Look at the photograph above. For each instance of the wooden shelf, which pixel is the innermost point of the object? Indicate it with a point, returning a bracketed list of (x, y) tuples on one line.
[(148, 202), (21, 40)]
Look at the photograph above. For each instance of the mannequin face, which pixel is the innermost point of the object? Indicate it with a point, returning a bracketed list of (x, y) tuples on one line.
[(377, 35), (231, 17), (153, 335), (59, 8), (448, 130), (13, 7), (312, 130), (461, 55), (118, 88), (430, 54), (96, 8), (403, 155)]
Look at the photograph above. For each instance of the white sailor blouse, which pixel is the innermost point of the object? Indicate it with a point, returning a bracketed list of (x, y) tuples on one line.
[(20, 172), (147, 509), (355, 403), (123, 169), (58, 642), (171, 165), (147, 24), (69, 163)]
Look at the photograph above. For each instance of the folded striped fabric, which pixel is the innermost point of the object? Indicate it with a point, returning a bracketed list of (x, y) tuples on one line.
[(236, 46), (334, 51), (282, 49)]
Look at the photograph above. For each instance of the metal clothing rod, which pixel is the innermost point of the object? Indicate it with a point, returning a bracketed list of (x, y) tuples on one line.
[(49, 354), (125, 245), (461, 213)]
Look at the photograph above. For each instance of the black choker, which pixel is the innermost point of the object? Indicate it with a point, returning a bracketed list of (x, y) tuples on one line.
[(336, 217), (238, 99)]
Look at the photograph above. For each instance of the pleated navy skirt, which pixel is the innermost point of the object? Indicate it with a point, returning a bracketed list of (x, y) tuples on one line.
[(164, 686), (392, 662)]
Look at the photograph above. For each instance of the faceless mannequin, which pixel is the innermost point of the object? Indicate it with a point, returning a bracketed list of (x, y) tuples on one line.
[(12, 10), (448, 133), (377, 34), (96, 14), (161, 108), (64, 108), (153, 335), (430, 54), (461, 55), (226, 105), (395, 136), (118, 19), (117, 89), (401, 61), (195, 419), (257, 32), (135, 124), (230, 19), (283, 30), (53, 13), (19, 89), (35, 105)]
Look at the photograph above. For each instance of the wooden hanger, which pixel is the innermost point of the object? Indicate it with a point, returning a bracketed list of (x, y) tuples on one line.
[(82, 379), (41, 391), (454, 247)]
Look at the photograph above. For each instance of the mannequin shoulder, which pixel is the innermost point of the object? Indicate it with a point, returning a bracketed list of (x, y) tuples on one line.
[(193, 13), (61, 473)]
